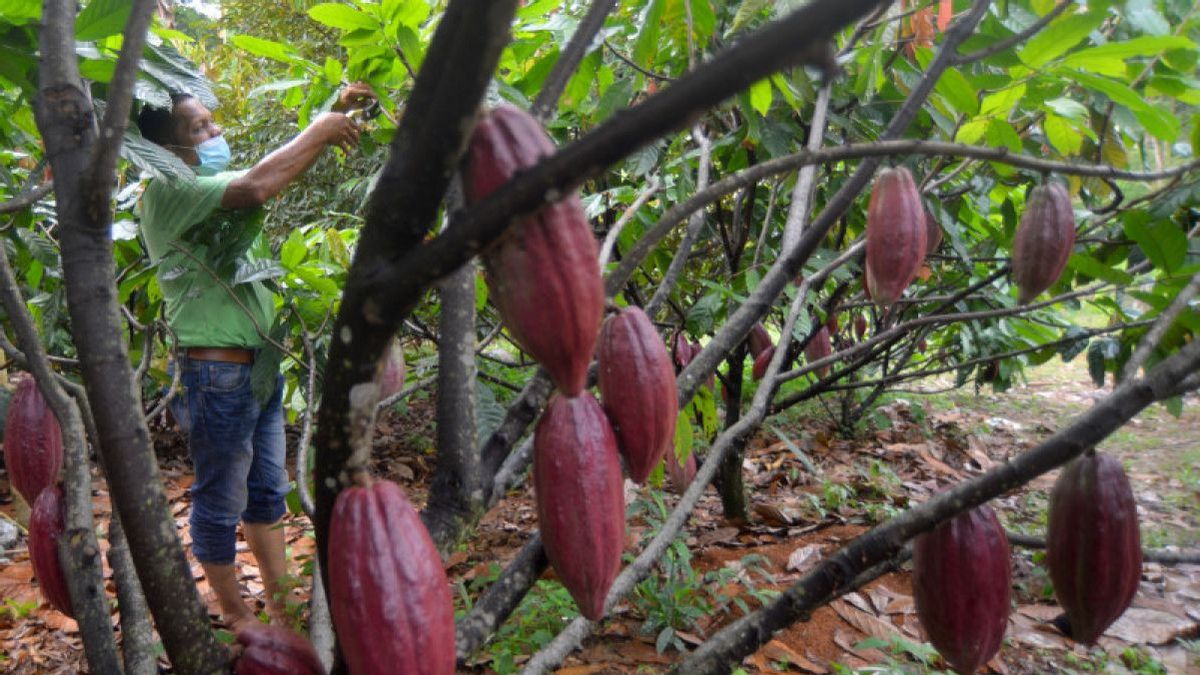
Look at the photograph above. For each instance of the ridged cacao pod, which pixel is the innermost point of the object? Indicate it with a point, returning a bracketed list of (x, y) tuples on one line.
[(390, 376), (271, 650), (47, 521), (388, 594), (637, 385), (33, 450), (860, 326), (933, 233), (1093, 547), (818, 348), (896, 235), (580, 498), (762, 361), (1043, 241), (962, 582), (682, 352), (680, 476), (543, 275), (760, 339)]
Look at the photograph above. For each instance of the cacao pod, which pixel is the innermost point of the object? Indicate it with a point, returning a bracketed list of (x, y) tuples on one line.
[(819, 347), (896, 235), (580, 498), (860, 326), (390, 376), (543, 275), (961, 585), (271, 650), (637, 384), (762, 361), (33, 450), (1043, 240), (760, 339), (388, 593), (921, 345), (933, 233), (1093, 547), (47, 520), (680, 475), (682, 352)]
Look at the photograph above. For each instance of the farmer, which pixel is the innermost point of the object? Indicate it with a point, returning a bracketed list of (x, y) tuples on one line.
[(200, 232)]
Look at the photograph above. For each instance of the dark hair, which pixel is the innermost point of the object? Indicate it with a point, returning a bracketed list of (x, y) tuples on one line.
[(158, 124)]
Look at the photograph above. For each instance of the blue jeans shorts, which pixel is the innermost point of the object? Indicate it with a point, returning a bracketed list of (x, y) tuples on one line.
[(238, 451)]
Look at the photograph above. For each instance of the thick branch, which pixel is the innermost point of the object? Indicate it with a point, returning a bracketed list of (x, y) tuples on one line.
[(27, 198), (819, 586)]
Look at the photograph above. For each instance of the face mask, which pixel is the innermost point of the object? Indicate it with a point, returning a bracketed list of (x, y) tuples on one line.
[(214, 154)]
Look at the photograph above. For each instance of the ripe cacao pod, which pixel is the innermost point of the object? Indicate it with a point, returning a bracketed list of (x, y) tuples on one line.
[(760, 339), (47, 521), (33, 450), (1043, 240), (933, 233), (390, 375), (543, 275), (271, 650), (896, 235), (637, 384), (819, 347), (1093, 547), (961, 584), (679, 475), (762, 361), (580, 498), (388, 594), (860, 326)]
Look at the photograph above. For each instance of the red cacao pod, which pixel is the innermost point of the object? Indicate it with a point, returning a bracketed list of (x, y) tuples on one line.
[(1093, 547), (933, 233), (860, 326), (762, 361), (272, 650), (47, 521), (680, 475), (819, 347), (637, 384), (33, 450), (1043, 241), (760, 339), (896, 234), (543, 275), (390, 376), (388, 594), (961, 584), (580, 498), (682, 352)]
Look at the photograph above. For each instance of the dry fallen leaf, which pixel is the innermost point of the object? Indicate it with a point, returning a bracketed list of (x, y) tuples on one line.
[(804, 558)]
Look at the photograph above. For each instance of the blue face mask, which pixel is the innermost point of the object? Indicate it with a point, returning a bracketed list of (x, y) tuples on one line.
[(214, 154)]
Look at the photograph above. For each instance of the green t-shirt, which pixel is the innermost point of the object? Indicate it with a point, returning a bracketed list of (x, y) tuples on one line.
[(194, 242)]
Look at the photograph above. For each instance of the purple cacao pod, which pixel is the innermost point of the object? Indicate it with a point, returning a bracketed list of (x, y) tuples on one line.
[(819, 347), (390, 375), (896, 235), (388, 593), (760, 339), (962, 582), (680, 475), (543, 275), (637, 385), (272, 650), (1093, 547), (762, 361), (47, 521), (1043, 240), (580, 498), (33, 449), (682, 352)]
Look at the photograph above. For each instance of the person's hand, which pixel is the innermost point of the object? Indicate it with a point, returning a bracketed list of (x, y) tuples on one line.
[(337, 129), (355, 95)]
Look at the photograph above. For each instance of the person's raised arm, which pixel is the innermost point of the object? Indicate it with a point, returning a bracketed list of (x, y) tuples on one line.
[(272, 173)]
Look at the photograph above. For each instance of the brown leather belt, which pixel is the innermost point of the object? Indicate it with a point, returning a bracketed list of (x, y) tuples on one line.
[(226, 354)]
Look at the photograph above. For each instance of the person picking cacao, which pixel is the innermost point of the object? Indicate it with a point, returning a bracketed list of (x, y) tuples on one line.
[(199, 233)]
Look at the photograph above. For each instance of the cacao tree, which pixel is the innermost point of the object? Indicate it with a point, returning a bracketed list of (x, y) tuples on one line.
[(759, 174)]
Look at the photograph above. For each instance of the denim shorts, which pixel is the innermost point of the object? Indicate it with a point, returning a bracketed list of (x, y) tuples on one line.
[(238, 451)]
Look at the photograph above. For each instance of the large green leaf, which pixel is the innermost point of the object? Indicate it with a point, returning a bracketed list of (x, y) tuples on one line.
[(1163, 242), (1140, 46), (20, 12), (342, 16), (1089, 266), (1059, 36), (153, 158), (101, 18), (1161, 123)]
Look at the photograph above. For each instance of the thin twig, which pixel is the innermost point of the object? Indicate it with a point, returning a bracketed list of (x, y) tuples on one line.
[(1159, 329)]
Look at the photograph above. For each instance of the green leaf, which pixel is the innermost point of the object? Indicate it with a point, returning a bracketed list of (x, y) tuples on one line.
[(277, 85), (342, 16), (102, 18), (1096, 361), (333, 71), (20, 12), (958, 91), (267, 48), (1195, 137), (1174, 405), (747, 12), (1146, 45), (1089, 266), (683, 437), (1003, 101), (1160, 123), (646, 47), (293, 249), (1062, 135), (1058, 37), (1002, 134), (1068, 108), (1145, 17), (760, 96), (1163, 242), (972, 131)]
